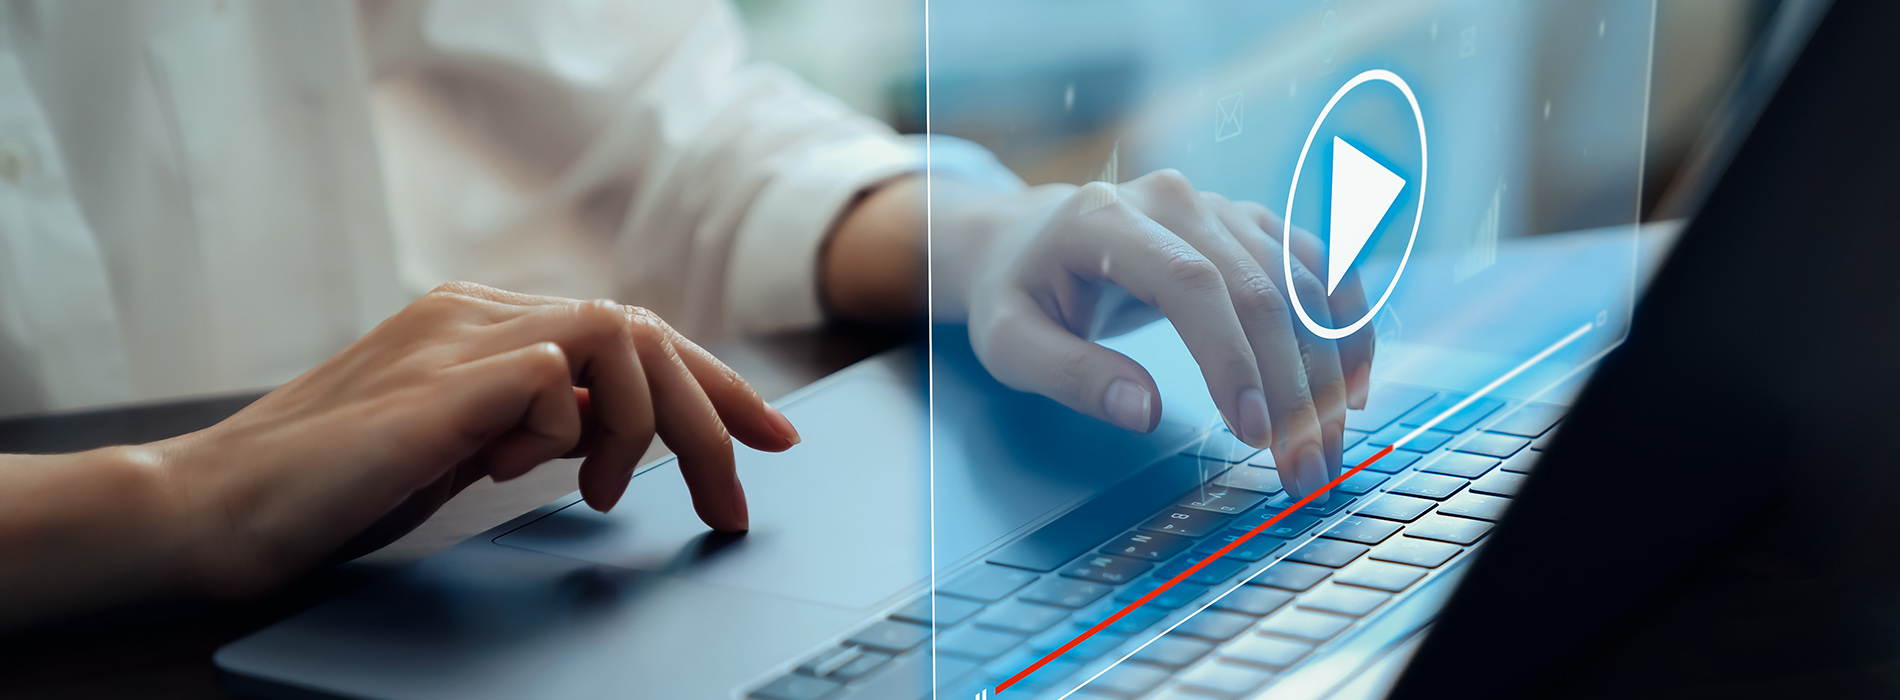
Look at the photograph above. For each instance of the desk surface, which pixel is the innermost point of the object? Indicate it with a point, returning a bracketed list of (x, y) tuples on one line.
[(164, 650)]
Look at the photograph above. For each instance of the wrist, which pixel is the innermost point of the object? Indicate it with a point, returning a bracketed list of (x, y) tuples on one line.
[(977, 232)]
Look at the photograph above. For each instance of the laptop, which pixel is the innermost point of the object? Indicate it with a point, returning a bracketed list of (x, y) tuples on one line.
[(984, 552)]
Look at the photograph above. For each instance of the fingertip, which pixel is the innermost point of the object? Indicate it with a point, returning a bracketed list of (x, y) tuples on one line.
[(782, 425), (1255, 427), (1130, 405)]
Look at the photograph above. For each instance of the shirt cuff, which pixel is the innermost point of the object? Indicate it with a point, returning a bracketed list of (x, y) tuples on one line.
[(773, 283)]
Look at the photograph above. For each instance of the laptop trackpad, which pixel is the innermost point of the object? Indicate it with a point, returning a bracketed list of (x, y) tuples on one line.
[(842, 519)]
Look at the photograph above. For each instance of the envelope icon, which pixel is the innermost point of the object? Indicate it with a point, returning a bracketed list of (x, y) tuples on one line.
[(1227, 123)]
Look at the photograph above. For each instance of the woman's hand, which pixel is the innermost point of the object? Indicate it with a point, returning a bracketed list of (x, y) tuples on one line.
[(1040, 275), (466, 382)]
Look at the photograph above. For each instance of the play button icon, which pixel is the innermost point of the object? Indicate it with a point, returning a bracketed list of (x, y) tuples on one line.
[(1362, 192)]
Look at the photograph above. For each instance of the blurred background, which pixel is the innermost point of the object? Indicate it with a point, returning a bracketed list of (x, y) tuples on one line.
[(1054, 104)]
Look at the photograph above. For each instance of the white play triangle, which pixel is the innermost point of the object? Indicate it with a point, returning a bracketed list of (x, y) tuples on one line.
[(1362, 192)]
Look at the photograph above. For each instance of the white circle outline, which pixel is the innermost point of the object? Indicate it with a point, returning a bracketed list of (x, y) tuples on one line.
[(1293, 292)]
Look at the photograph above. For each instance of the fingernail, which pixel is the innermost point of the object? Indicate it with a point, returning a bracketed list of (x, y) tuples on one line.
[(1313, 476), (1361, 384), (1253, 429), (1129, 405), (782, 424)]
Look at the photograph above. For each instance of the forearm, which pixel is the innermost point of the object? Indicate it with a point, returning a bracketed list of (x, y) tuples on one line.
[(874, 267), (87, 529)]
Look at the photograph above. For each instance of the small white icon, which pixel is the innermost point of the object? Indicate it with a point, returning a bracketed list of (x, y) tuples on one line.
[(1467, 42), (1227, 122), (1484, 247), (1362, 192)]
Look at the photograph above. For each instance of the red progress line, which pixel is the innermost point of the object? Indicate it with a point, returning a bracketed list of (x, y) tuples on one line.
[(1257, 529)]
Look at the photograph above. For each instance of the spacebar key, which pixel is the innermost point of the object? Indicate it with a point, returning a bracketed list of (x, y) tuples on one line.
[(1092, 523)]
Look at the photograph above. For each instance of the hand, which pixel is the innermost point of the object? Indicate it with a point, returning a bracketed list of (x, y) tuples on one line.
[(1040, 275), (466, 382)]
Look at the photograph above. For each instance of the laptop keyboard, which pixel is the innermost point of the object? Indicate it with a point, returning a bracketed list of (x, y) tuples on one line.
[(1310, 579)]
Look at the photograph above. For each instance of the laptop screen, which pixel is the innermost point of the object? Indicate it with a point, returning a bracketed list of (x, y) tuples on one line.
[(1463, 181)]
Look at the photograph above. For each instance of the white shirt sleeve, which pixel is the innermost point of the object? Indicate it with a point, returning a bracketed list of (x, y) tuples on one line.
[(729, 174)]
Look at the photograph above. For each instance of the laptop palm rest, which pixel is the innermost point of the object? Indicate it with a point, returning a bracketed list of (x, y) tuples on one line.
[(833, 520)]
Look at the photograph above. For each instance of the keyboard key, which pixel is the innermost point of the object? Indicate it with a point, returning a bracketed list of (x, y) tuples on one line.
[(1430, 486), (977, 643), (1529, 420), (986, 583), (1108, 514), (1021, 618), (1460, 464), (1493, 445), (1456, 422), (1088, 650), (1401, 508), (1305, 625), (1105, 569), (1292, 576), (1134, 622), (1453, 530), (1425, 442), (1522, 463), (1406, 550), (1271, 652), (1224, 680), (1362, 530), (1187, 522), (1254, 549), (1215, 572), (909, 676), (1230, 502), (865, 663), (1173, 651), (1352, 438), (1172, 599), (1363, 482), (1254, 478), (1471, 505), (1056, 670), (1385, 404), (830, 660), (1253, 600), (796, 687), (1334, 503), (1152, 546), (1344, 600), (1128, 680), (1222, 446), (1543, 443), (1215, 625), (1390, 464), (890, 636), (1331, 553), (1062, 592), (1381, 575), (1498, 483), (1286, 528), (950, 611)]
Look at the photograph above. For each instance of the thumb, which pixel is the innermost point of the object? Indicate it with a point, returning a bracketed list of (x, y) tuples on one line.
[(1028, 351)]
